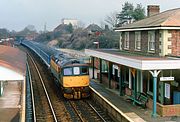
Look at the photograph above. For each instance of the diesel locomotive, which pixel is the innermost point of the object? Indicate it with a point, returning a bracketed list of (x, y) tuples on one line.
[(72, 75)]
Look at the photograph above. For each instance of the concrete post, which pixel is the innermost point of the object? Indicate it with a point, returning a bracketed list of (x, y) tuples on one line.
[(0, 88)]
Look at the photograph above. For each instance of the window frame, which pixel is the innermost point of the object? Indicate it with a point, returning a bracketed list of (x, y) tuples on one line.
[(126, 40), (137, 40), (151, 41)]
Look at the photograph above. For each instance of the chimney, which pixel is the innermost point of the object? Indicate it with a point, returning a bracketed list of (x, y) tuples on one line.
[(152, 10)]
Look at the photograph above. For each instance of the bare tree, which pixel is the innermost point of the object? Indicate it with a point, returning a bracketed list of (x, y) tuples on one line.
[(102, 24), (111, 19)]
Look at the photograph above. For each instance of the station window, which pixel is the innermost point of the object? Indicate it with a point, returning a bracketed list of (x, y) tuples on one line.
[(104, 66), (126, 40), (67, 71), (138, 40), (151, 40)]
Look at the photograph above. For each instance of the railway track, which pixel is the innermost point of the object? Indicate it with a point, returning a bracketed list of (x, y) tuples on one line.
[(48, 106), (44, 105), (86, 112), (64, 110)]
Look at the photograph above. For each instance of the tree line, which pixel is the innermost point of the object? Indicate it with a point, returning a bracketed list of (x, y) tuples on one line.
[(127, 15)]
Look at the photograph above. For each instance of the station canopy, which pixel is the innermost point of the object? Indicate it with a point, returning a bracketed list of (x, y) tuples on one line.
[(12, 64), (136, 61)]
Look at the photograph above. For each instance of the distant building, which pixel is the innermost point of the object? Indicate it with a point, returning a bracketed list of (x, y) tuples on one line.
[(7, 41), (74, 22), (94, 29)]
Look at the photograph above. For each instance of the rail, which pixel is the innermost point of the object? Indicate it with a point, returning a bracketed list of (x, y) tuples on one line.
[(78, 114), (45, 90), (97, 112), (119, 112), (32, 93), (85, 111)]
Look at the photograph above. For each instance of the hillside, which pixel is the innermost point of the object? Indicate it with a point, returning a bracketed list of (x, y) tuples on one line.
[(64, 36)]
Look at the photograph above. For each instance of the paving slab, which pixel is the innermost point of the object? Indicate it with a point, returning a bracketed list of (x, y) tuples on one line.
[(10, 102), (135, 112)]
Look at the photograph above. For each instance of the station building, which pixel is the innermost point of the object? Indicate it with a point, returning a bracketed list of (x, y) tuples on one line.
[(147, 61), (12, 84)]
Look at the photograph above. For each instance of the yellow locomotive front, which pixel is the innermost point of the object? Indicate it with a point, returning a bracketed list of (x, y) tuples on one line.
[(75, 81)]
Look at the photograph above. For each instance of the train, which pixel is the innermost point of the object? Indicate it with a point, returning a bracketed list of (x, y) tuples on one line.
[(71, 74)]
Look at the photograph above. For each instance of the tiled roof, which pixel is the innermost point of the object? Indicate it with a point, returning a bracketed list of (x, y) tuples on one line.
[(13, 58), (169, 18)]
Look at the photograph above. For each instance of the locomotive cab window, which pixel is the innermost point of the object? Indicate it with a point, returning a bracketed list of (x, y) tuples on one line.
[(68, 71), (84, 71), (76, 70)]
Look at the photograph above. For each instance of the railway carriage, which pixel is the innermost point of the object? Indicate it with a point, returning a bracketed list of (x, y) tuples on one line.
[(72, 75)]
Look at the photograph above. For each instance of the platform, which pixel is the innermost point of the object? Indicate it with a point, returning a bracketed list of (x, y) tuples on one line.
[(12, 84), (135, 112), (10, 102)]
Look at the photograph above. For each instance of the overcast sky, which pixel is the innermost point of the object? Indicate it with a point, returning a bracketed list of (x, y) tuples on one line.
[(16, 14)]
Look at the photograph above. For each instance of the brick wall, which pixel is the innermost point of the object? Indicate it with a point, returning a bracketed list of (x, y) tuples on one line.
[(122, 41), (165, 110), (157, 42), (131, 41), (175, 39), (144, 42)]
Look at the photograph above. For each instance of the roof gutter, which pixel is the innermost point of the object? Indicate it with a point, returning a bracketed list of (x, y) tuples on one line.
[(148, 28)]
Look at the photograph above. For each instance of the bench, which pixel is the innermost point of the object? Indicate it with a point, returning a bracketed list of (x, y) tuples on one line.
[(141, 99)]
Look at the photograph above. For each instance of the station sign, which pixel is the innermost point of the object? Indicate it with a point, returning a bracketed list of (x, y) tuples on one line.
[(166, 78)]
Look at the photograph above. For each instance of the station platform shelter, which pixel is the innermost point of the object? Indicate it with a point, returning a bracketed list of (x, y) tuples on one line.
[(12, 84), (157, 78)]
